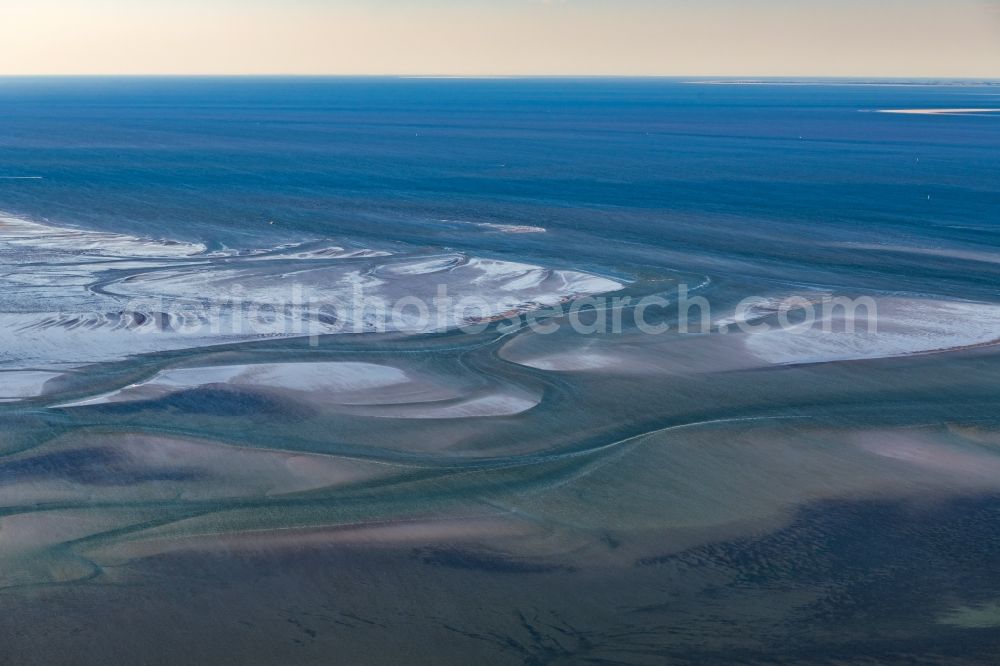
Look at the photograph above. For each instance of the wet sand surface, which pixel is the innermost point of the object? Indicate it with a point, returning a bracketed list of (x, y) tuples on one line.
[(813, 493)]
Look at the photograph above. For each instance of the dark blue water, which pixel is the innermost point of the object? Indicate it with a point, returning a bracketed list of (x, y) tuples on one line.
[(750, 172)]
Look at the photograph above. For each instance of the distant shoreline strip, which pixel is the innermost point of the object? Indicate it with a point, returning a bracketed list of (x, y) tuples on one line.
[(939, 112)]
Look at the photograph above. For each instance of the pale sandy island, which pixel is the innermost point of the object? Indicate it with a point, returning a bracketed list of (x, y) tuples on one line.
[(182, 296), (900, 327), (501, 228), (368, 389), (938, 112), (512, 228), (328, 378), (23, 384), (880, 328)]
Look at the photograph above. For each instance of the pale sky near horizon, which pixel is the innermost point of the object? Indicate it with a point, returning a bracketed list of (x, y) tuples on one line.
[(893, 38)]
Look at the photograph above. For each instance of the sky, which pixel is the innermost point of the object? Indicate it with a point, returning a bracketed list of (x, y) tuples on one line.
[(890, 38)]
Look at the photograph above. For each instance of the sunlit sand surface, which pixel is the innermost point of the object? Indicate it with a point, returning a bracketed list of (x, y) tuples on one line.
[(15, 385), (365, 388), (96, 296), (941, 112), (330, 379), (900, 327)]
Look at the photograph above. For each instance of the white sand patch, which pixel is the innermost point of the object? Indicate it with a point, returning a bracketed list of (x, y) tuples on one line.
[(18, 385), (300, 252), (499, 404), (18, 233), (529, 279), (423, 266), (500, 228), (511, 228), (763, 307), (633, 353), (364, 389), (571, 361), (326, 378), (475, 290), (333, 377), (902, 327), (488, 270), (575, 355), (940, 112), (92, 296)]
